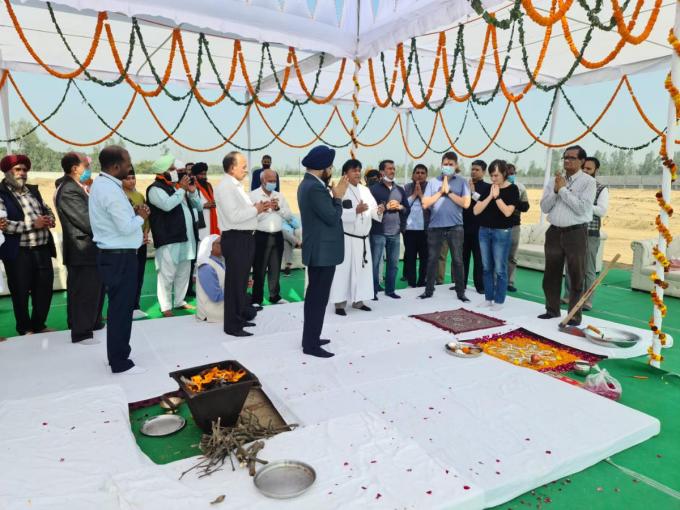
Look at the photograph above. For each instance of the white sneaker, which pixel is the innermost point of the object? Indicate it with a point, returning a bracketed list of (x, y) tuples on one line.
[(136, 370), (89, 341), (138, 314), (496, 307), (486, 304)]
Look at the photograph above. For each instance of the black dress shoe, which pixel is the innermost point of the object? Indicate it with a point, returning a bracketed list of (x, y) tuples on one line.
[(574, 322), (393, 295), (99, 326), (247, 324), (324, 341), (375, 297), (512, 288), (480, 291), (425, 295), (380, 288), (363, 307), (464, 298), (238, 332), (547, 316), (319, 352), (341, 312), (256, 307), (453, 287)]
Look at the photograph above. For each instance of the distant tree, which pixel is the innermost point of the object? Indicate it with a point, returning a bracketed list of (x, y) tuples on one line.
[(43, 158)]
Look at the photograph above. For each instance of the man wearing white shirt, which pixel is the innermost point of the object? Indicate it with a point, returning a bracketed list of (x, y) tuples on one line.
[(568, 203), (237, 216), (591, 167), (269, 238)]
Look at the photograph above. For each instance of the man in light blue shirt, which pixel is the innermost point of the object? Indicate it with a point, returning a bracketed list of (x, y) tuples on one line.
[(415, 235), (446, 196), (117, 230)]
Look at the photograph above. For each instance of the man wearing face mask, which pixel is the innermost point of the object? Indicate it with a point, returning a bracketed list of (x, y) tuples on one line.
[(516, 217), (171, 198), (269, 239), (386, 234), (446, 196), (28, 248), (256, 179), (84, 287), (450, 159), (323, 245)]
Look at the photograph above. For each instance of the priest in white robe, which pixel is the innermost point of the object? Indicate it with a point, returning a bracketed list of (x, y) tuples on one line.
[(353, 280)]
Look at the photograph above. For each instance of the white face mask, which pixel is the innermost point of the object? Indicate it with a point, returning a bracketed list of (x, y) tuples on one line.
[(174, 176), (448, 171), (387, 179)]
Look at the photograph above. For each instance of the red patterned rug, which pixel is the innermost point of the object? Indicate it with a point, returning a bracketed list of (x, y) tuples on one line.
[(459, 321), (525, 349)]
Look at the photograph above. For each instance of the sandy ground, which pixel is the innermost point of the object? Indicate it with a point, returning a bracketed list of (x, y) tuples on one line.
[(631, 212)]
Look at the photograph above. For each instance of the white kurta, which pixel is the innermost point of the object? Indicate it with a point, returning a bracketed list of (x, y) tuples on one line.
[(353, 280)]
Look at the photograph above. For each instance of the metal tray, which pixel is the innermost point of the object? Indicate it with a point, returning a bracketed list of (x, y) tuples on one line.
[(476, 350), (612, 337), (284, 479), (163, 425)]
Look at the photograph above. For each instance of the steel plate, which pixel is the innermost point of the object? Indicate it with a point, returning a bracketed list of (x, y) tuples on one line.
[(476, 350), (284, 479), (163, 425), (612, 337)]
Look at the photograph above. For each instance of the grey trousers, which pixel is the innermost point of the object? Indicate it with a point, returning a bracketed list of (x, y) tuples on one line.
[(512, 258), (593, 244)]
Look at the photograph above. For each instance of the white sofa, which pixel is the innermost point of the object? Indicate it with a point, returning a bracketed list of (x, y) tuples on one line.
[(531, 251), (643, 266)]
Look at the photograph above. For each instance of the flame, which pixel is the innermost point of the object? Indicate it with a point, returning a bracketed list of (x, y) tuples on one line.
[(198, 382)]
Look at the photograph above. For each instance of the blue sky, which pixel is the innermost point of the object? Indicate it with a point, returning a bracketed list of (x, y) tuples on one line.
[(621, 125)]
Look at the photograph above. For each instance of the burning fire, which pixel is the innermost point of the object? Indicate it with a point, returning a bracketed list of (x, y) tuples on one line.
[(214, 375)]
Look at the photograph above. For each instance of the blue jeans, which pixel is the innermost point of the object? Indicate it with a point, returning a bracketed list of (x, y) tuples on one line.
[(494, 244), (390, 244)]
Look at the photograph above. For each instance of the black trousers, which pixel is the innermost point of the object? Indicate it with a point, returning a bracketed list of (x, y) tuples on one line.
[(118, 271), (238, 249), (30, 274), (141, 266), (564, 245), (436, 237), (84, 301), (471, 250), (316, 300), (415, 250), (267, 261)]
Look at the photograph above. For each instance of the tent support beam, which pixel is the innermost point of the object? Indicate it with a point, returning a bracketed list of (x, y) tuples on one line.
[(549, 152), (4, 104), (407, 138), (671, 134)]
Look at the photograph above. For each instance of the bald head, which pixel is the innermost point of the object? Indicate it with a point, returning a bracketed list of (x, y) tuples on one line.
[(268, 180)]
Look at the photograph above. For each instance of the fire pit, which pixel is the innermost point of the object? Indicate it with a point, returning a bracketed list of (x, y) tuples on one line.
[(215, 390)]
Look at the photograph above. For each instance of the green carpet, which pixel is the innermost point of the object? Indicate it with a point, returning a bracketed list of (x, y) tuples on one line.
[(602, 486)]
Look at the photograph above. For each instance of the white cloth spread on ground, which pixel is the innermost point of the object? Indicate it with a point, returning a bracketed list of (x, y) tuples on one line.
[(353, 280)]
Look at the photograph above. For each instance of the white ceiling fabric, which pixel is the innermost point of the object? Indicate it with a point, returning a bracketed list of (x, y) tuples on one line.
[(330, 28)]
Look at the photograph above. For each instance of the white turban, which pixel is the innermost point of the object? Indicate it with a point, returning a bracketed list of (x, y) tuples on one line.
[(205, 249)]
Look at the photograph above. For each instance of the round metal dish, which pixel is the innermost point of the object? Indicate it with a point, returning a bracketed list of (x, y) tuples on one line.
[(163, 425), (612, 337), (456, 349), (581, 367), (284, 479)]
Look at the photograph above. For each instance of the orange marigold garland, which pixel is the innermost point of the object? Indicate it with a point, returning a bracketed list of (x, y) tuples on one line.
[(658, 281), (661, 257), (674, 92), (655, 329), (653, 356)]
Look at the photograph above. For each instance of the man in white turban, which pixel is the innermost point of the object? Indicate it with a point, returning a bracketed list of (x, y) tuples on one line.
[(171, 198), (210, 280)]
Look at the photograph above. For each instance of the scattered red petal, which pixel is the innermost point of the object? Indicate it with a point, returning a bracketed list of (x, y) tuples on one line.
[(363, 487), (447, 471), (44, 424), (548, 452), (177, 366), (409, 470), (61, 460), (374, 461), (330, 492), (498, 460), (429, 493), (548, 500), (346, 464), (431, 408), (527, 439), (73, 428), (498, 472), (466, 487), (304, 362), (378, 496), (107, 421)]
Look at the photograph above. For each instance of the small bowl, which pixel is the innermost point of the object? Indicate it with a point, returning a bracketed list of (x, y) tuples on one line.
[(581, 367)]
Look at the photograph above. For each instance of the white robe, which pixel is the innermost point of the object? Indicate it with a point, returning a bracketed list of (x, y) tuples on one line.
[(353, 280)]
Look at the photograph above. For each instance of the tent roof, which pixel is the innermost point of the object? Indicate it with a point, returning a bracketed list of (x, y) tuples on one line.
[(331, 28)]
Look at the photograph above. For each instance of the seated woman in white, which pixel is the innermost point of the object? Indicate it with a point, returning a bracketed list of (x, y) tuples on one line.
[(210, 280)]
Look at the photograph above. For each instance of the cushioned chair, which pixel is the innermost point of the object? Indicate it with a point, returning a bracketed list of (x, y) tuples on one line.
[(643, 266)]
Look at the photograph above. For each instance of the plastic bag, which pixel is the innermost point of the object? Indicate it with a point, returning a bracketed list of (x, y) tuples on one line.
[(603, 384)]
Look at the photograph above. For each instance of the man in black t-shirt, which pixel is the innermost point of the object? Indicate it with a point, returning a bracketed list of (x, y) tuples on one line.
[(471, 225)]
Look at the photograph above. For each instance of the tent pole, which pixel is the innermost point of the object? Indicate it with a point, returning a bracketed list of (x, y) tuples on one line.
[(407, 137), (4, 104), (671, 134), (248, 137), (549, 154)]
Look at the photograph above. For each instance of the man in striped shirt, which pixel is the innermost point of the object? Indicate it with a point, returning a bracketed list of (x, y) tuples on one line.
[(568, 203)]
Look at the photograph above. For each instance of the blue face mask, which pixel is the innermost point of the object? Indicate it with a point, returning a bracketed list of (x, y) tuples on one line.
[(85, 176), (511, 179), (448, 171), (270, 186)]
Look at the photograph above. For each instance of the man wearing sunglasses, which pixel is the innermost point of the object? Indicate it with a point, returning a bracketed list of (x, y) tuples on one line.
[(568, 203)]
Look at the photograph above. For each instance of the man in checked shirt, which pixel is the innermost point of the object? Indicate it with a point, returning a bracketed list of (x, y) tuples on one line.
[(28, 248)]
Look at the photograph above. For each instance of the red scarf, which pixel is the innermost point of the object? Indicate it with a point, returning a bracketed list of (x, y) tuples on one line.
[(207, 193)]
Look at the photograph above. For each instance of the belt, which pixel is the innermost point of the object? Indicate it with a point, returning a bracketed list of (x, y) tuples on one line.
[(39, 247), (364, 260), (572, 227), (243, 232), (121, 251)]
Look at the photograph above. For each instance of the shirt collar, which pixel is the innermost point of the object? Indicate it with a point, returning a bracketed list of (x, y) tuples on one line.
[(575, 176), (317, 178), (112, 178), (234, 180)]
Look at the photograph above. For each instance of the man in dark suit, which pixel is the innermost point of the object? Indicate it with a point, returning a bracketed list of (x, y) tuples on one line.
[(323, 244), (84, 287)]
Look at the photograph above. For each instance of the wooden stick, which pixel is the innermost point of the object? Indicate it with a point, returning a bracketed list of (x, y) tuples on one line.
[(590, 291)]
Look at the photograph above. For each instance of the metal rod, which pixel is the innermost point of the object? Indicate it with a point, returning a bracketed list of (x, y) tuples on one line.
[(549, 152)]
